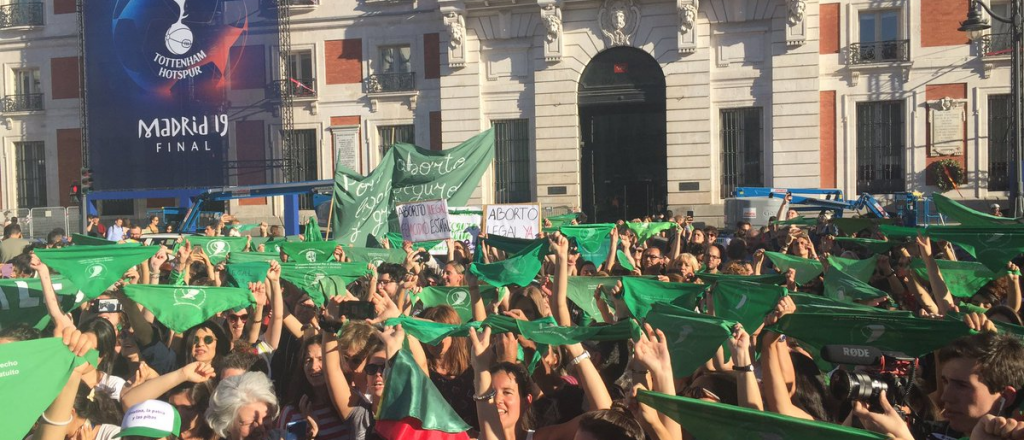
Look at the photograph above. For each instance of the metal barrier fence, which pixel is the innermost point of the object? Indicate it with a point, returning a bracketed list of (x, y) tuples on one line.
[(36, 223)]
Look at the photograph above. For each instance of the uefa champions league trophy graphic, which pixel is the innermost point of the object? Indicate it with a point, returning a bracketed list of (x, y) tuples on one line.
[(179, 37)]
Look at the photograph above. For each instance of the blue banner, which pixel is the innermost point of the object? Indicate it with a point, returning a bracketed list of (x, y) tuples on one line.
[(166, 80)]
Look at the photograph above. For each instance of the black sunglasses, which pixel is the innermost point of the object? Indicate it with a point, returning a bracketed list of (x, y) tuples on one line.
[(207, 340), (373, 369)]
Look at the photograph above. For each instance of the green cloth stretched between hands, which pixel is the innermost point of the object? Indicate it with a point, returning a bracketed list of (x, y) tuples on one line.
[(963, 278), (216, 248), (806, 268), (692, 338), (519, 269), (93, 269), (307, 276), (183, 307), (645, 230), (640, 294), (592, 241), (310, 251)]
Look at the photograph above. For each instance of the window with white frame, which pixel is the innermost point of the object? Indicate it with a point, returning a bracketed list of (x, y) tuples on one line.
[(393, 72), (1000, 37), (30, 163), (300, 74), (27, 92), (395, 59), (880, 37)]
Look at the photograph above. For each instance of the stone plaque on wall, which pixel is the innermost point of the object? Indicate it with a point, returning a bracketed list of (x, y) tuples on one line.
[(346, 147), (946, 119)]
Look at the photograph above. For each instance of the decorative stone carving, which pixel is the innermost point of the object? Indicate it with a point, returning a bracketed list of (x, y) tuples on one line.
[(456, 24), (796, 26), (796, 11), (619, 20), (946, 122), (551, 17), (687, 38), (687, 16)]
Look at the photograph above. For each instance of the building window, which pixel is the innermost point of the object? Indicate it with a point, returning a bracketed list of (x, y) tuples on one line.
[(880, 38), (512, 161), (999, 41), (303, 165), (880, 147), (30, 159), (742, 148), (28, 94), (393, 73), (299, 75), (1000, 142), (389, 135), (21, 13)]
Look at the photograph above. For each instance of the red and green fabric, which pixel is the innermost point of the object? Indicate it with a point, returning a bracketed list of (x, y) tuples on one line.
[(307, 276), (413, 409), (218, 248), (806, 268), (93, 269), (640, 294), (519, 269), (693, 338), (309, 251), (963, 278), (183, 307)]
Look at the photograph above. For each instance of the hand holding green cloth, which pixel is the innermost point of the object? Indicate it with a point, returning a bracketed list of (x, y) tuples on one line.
[(806, 268), (307, 276), (183, 307), (592, 241), (519, 269), (807, 303), (312, 231), (875, 246), (645, 230), (21, 301), (93, 269), (32, 374), (249, 257), (693, 338), (1003, 327), (408, 392), (374, 256), (457, 298), (396, 242), (241, 274), (549, 333), (769, 278), (430, 332), (309, 251), (86, 240), (745, 302), (859, 269), (218, 248), (581, 292), (640, 294), (992, 246), (893, 231), (719, 421), (963, 278), (620, 257), (270, 244), (844, 286), (967, 216)]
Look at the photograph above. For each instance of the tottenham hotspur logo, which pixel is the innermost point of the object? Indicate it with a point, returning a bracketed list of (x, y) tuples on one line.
[(178, 38)]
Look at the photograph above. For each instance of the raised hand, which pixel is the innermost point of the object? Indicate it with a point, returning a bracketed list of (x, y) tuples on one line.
[(184, 253), (259, 291), (784, 307), (979, 322), (651, 351), (924, 246), (481, 355), (274, 272), (559, 244), (158, 260), (506, 347), (41, 269), (393, 337), (739, 346), (197, 372)]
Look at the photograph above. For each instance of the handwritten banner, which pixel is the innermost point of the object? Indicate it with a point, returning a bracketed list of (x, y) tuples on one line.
[(424, 221), (516, 221), (465, 225)]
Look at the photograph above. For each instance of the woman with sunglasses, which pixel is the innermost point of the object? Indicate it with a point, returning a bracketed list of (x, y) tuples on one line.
[(204, 343)]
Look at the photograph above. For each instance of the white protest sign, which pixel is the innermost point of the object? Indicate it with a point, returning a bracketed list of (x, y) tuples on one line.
[(465, 225), (515, 221), (424, 221)]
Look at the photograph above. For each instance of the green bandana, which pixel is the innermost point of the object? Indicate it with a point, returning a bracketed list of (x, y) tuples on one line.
[(520, 269), (893, 231), (375, 256), (693, 338), (86, 240), (620, 257), (806, 268), (746, 303), (396, 242), (408, 392), (270, 244), (770, 278), (581, 292), (307, 276), (218, 248), (21, 301), (250, 257), (875, 246), (992, 246), (644, 231), (549, 333), (456, 297), (592, 241), (183, 307), (241, 274), (807, 303), (859, 269), (718, 421), (967, 216), (963, 278), (33, 373), (640, 294), (430, 332), (93, 269), (312, 232), (309, 251), (843, 286)]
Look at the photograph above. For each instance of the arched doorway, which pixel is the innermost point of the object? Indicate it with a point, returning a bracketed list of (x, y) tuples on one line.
[(622, 128)]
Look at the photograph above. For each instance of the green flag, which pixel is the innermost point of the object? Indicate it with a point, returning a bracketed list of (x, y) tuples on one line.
[(875, 246), (93, 269), (623, 261), (581, 292), (719, 421), (646, 230), (549, 333), (307, 276), (249, 257), (886, 331), (365, 205), (312, 231), (456, 297), (967, 216), (640, 294), (592, 241), (375, 256), (86, 240), (819, 304), (309, 251), (745, 302), (769, 278), (21, 301), (992, 246), (183, 307), (270, 244), (241, 274), (806, 268), (859, 269), (893, 231), (963, 278), (693, 338), (218, 248), (520, 269), (32, 374), (843, 286), (557, 221), (408, 392)]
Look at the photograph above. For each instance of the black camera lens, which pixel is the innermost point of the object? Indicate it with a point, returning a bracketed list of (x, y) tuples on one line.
[(857, 386)]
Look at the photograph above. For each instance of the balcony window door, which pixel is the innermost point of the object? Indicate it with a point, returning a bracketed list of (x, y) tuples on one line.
[(880, 37), (395, 59), (300, 74)]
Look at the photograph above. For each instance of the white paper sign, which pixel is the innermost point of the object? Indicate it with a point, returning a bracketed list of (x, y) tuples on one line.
[(424, 221), (516, 221)]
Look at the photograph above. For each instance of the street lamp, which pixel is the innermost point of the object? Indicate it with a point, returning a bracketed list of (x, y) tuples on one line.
[(974, 25)]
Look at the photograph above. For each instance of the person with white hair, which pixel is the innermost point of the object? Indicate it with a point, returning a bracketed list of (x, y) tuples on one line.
[(243, 407)]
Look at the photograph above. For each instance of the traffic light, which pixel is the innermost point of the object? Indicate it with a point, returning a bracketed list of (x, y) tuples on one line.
[(75, 192), (86, 181)]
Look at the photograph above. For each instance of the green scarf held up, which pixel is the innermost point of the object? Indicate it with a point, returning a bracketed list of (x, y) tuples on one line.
[(519, 269), (640, 294), (457, 298), (967, 216), (720, 421), (645, 230), (893, 231), (745, 302), (250, 257), (549, 333), (797, 221), (844, 286), (241, 274), (307, 276), (270, 244), (21, 301), (770, 278), (86, 240), (218, 248), (806, 268), (93, 269), (853, 225), (32, 374), (375, 256), (581, 292), (592, 241), (509, 245), (242, 227), (992, 246), (859, 269), (395, 240), (963, 278), (693, 338), (409, 393), (620, 257), (312, 231), (872, 245), (808, 303), (183, 307), (309, 251)]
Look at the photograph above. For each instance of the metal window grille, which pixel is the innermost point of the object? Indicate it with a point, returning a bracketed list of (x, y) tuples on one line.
[(31, 166), (742, 148), (512, 161), (389, 135), (1000, 142), (303, 166), (880, 147)]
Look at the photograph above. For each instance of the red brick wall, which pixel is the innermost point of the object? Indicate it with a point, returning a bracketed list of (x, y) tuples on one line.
[(248, 71), (935, 92), (64, 7), (939, 22), (64, 73), (344, 61), (431, 56), (435, 131), (828, 22), (69, 161), (250, 141), (827, 138)]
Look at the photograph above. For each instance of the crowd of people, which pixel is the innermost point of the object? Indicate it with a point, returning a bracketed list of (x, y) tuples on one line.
[(304, 360)]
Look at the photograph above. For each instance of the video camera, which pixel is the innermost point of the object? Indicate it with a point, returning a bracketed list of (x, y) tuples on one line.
[(880, 371)]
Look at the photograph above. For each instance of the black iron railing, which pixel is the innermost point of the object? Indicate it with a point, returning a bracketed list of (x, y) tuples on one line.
[(21, 14), (23, 103), (294, 87), (880, 52), (390, 82), (996, 44)]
